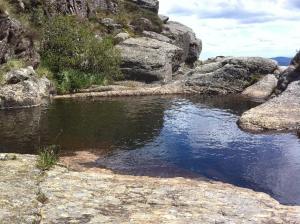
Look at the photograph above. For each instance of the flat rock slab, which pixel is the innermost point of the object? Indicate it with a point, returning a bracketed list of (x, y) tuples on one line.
[(18, 190), (280, 113), (89, 197), (105, 197)]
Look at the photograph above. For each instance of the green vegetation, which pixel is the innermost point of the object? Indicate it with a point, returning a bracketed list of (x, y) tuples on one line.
[(75, 56), (48, 157), (9, 66)]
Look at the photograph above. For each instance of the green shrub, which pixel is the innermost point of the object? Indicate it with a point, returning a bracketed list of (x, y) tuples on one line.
[(48, 157), (71, 81), (69, 48)]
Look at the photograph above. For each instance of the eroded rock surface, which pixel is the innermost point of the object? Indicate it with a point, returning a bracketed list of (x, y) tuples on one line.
[(19, 190), (104, 197), (279, 113), (228, 75), (146, 59), (262, 89), (23, 88)]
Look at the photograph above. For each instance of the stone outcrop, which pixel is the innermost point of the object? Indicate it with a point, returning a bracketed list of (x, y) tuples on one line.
[(185, 38), (81, 8), (15, 42), (279, 113), (146, 59), (99, 196), (291, 74), (152, 5), (228, 75), (23, 88), (262, 89)]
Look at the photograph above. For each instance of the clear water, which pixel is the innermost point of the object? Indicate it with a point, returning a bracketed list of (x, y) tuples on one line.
[(163, 136)]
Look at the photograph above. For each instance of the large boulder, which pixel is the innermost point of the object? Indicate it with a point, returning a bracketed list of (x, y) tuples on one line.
[(262, 89), (291, 74), (280, 113), (15, 42), (146, 59), (23, 88), (185, 38), (152, 5), (229, 75)]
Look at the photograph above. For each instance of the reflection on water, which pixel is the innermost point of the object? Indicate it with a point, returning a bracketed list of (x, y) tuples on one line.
[(164, 136)]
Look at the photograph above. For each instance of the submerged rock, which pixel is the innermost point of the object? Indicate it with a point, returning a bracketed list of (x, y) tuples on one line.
[(229, 75), (23, 88), (279, 113), (262, 89), (146, 59)]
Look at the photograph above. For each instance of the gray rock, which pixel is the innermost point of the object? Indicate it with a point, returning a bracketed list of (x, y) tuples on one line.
[(262, 89), (111, 25), (149, 60), (184, 37), (24, 89), (120, 37), (279, 113), (209, 67), (157, 36), (232, 75), (291, 74), (16, 76), (14, 42), (81, 8), (152, 5), (163, 18)]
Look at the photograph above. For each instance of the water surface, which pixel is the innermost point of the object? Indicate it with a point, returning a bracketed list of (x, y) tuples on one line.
[(163, 136)]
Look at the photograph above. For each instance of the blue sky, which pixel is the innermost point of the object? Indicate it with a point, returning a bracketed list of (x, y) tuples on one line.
[(266, 28)]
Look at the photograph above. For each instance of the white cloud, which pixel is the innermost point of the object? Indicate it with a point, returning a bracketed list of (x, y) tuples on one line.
[(265, 28)]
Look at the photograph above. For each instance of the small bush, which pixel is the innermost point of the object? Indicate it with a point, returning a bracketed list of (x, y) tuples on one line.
[(48, 157), (71, 81)]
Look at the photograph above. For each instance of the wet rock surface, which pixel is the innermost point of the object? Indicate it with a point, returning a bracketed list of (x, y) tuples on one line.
[(105, 197), (279, 113)]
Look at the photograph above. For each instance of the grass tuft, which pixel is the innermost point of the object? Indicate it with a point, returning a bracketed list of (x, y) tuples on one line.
[(48, 157)]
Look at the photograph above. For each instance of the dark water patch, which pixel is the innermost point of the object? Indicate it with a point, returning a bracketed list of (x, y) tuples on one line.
[(165, 137)]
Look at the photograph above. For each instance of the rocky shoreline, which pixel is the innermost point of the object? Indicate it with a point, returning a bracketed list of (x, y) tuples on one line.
[(64, 196)]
